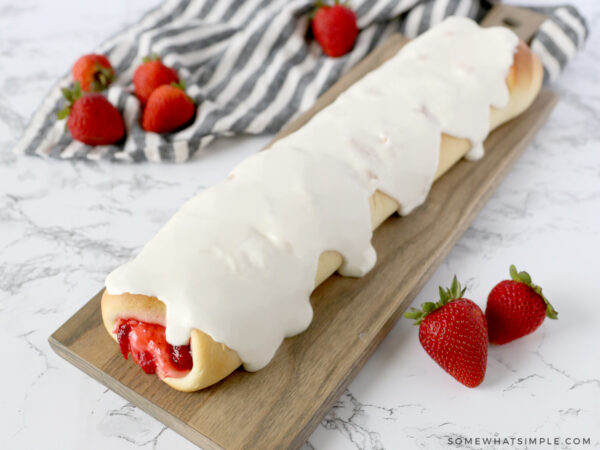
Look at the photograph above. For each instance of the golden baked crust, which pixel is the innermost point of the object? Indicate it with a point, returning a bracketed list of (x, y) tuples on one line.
[(213, 361)]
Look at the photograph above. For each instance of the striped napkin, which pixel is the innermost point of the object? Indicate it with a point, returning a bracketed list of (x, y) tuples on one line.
[(251, 68)]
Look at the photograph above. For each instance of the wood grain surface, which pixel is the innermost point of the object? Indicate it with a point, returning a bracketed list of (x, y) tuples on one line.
[(279, 406)]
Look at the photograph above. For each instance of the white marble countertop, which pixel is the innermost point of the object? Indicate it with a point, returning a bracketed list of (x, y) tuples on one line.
[(65, 225)]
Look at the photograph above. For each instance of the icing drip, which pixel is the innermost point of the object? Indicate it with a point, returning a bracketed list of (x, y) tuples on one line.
[(238, 261), (476, 152)]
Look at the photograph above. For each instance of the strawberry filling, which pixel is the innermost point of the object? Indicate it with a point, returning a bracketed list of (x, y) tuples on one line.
[(150, 350)]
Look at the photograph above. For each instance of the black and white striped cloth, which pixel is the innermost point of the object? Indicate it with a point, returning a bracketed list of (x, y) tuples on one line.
[(251, 68)]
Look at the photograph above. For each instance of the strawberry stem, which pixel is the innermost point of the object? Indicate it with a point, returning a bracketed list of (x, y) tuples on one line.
[(103, 76), (524, 277), (455, 291)]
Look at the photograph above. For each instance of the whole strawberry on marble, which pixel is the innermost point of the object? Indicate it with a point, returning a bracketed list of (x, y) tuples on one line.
[(454, 333), (516, 307), (91, 118), (334, 28)]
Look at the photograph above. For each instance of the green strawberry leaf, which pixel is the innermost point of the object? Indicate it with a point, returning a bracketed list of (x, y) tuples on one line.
[(71, 96), (76, 91), (551, 313), (513, 273), (63, 113), (181, 85), (446, 296), (67, 94), (153, 57), (428, 307)]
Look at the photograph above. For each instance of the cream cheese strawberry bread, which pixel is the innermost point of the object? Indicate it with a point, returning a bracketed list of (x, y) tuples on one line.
[(230, 275)]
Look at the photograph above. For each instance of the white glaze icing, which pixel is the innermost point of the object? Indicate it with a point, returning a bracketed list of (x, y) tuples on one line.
[(476, 152), (238, 261)]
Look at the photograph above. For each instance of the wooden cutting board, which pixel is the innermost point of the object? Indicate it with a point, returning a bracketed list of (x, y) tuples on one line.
[(279, 406)]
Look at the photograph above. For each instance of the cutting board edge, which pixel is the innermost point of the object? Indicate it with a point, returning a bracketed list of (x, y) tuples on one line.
[(172, 421)]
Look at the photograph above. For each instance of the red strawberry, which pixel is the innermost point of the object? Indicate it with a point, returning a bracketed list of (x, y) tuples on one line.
[(516, 307), (93, 72), (454, 333), (335, 28), (93, 120), (150, 75), (168, 108)]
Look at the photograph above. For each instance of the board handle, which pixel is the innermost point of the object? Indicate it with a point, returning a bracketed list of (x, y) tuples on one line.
[(524, 22)]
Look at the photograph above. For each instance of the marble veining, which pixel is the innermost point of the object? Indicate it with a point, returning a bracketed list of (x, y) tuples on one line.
[(65, 225)]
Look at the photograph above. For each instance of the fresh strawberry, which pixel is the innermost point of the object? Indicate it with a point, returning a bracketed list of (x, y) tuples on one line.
[(334, 27), (168, 108), (93, 120), (93, 72), (454, 333), (516, 307), (150, 75)]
